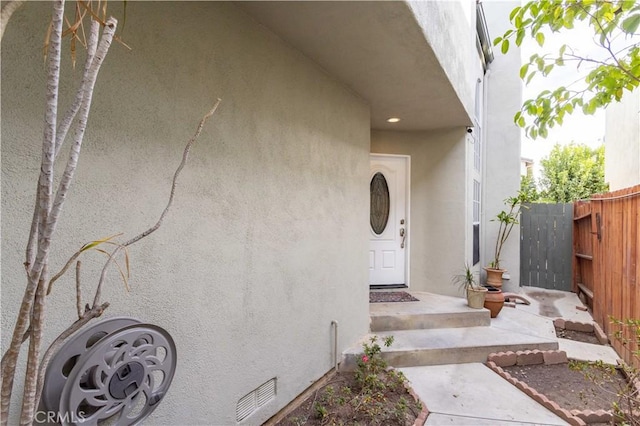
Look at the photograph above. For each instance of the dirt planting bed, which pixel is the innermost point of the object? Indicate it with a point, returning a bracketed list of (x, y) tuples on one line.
[(578, 392)]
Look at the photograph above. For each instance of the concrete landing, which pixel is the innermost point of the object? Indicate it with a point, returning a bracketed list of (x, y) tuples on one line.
[(450, 345), (588, 351), (471, 394), (431, 311)]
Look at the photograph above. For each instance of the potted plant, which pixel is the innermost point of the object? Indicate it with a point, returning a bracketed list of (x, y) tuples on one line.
[(508, 219), (475, 292)]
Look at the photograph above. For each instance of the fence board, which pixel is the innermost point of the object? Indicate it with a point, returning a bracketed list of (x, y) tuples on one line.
[(611, 235), (546, 246)]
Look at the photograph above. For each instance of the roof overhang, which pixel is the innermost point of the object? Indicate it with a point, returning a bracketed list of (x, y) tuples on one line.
[(378, 49)]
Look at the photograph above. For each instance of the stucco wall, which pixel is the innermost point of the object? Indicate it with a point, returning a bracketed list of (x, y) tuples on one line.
[(268, 238), (451, 36), (438, 203), (622, 142), (501, 142)]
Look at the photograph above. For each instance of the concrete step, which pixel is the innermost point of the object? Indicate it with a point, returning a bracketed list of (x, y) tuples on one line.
[(431, 311), (448, 346)]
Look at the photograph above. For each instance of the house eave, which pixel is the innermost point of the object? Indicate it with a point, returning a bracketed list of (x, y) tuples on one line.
[(378, 50)]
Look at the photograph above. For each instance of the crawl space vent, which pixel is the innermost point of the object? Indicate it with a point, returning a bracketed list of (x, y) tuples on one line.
[(255, 399)]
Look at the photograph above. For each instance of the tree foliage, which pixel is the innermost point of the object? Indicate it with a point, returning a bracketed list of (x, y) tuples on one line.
[(528, 188), (572, 172), (606, 76)]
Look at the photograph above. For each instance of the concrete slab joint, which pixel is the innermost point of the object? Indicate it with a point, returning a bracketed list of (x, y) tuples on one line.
[(508, 359)]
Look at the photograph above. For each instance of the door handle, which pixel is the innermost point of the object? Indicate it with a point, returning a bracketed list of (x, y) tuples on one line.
[(404, 236)]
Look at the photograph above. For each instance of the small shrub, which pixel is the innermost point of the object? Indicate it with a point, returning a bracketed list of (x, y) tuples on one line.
[(374, 394), (627, 407)]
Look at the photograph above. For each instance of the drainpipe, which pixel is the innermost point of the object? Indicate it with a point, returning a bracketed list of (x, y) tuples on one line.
[(334, 323), (485, 142)]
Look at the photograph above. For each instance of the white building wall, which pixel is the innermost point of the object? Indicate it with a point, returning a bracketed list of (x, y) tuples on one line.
[(438, 203), (267, 241), (622, 142), (501, 142)]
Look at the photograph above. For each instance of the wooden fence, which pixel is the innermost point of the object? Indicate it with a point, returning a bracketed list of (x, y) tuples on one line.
[(545, 246), (606, 264)]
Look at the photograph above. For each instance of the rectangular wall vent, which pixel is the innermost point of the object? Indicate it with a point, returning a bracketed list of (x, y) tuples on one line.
[(255, 399)]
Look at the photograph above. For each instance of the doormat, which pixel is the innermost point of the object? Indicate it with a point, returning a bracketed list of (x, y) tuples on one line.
[(390, 296)]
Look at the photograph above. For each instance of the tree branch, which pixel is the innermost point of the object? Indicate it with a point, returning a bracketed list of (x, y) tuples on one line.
[(185, 157), (78, 290), (44, 204), (55, 346), (5, 14)]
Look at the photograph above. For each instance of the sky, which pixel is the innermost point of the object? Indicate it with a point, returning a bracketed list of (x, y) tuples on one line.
[(579, 128)]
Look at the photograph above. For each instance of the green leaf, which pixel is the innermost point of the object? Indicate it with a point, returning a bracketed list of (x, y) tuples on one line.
[(531, 76), (543, 132), (520, 122), (563, 48), (557, 12), (523, 71), (497, 41), (505, 46), (520, 36), (631, 24), (547, 69), (540, 39), (514, 12), (628, 4)]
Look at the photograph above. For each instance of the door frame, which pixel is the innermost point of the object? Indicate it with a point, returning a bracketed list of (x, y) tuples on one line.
[(407, 245)]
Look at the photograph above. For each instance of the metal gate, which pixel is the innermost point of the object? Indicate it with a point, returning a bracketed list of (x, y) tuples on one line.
[(546, 238)]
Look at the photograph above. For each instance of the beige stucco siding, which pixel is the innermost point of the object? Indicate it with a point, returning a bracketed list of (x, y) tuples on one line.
[(450, 30), (267, 241), (501, 148), (438, 203), (622, 144)]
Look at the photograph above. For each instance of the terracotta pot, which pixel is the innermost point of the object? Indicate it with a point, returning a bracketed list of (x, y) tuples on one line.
[(494, 300), (494, 277), (475, 297)]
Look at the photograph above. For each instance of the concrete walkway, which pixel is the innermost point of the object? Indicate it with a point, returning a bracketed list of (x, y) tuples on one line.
[(472, 394)]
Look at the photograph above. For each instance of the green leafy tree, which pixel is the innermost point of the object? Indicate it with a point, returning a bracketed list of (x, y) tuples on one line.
[(607, 74), (529, 189), (572, 172)]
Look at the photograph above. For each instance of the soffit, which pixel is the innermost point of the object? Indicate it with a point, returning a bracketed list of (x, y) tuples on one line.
[(377, 49)]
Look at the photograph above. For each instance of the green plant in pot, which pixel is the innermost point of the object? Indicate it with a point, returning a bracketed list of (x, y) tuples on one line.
[(466, 281), (507, 218)]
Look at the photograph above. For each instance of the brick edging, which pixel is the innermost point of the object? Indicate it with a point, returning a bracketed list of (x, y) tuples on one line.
[(424, 413), (507, 359), (587, 327)]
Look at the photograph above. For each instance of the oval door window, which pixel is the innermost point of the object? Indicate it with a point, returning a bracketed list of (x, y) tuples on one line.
[(379, 213)]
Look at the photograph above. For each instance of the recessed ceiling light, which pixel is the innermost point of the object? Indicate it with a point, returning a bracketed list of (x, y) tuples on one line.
[(393, 120)]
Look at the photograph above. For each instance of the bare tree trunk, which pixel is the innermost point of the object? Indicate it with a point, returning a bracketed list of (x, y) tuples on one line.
[(45, 190)]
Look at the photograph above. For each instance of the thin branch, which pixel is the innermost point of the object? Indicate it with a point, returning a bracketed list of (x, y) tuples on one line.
[(74, 257), (59, 341), (24, 338), (78, 290), (185, 157), (5, 14), (608, 46)]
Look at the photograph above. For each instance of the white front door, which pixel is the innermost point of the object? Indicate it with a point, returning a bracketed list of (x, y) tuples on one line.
[(389, 186)]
